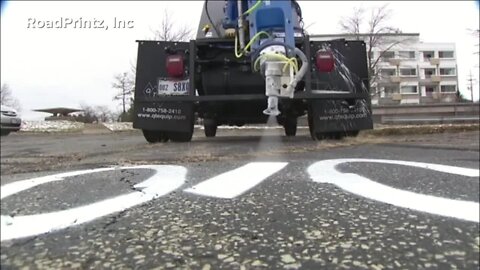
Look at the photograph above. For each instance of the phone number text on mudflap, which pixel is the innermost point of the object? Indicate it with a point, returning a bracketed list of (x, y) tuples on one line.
[(343, 116), (162, 110), (162, 116)]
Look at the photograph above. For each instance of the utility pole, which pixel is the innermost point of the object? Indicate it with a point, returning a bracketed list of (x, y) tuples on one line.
[(470, 87)]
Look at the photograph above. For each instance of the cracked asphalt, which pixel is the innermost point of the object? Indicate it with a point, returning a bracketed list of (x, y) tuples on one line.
[(285, 222)]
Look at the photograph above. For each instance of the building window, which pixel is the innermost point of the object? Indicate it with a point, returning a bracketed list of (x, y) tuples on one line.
[(448, 88), (427, 55), (387, 55), (387, 72), (409, 89), (445, 54), (429, 72), (429, 89), (390, 90), (410, 72), (447, 72), (406, 54)]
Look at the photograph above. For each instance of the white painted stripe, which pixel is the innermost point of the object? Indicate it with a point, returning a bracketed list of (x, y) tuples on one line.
[(236, 182), (325, 172), (16, 187), (166, 179)]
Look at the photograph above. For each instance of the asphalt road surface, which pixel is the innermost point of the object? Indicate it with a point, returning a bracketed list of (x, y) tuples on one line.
[(247, 199)]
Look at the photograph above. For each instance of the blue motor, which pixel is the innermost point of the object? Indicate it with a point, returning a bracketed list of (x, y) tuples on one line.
[(274, 17)]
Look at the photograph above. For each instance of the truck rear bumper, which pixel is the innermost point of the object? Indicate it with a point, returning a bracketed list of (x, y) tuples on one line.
[(314, 94)]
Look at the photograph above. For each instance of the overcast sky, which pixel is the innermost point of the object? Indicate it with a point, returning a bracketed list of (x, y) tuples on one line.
[(68, 67)]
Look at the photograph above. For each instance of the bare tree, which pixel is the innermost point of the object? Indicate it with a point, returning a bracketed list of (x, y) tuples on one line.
[(376, 33), (87, 115), (7, 98), (124, 83), (104, 114), (169, 30), (353, 23), (91, 114)]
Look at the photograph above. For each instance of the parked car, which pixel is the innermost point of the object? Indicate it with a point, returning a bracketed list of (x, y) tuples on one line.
[(9, 120)]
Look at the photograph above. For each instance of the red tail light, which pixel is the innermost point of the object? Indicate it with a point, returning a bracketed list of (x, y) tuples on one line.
[(175, 66), (325, 61)]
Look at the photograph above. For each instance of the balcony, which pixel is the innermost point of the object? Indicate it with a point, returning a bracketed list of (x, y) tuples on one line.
[(395, 79), (396, 96), (434, 61), (395, 61), (436, 95), (435, 78)]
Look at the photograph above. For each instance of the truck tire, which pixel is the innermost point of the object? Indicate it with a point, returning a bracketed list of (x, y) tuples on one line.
[(353, 133), (210, 127), (162, 136), (290, 126), (183, 136), (335, 135), (150, 135), (210, 131), (315, 136), (180, 136), (319, 136)]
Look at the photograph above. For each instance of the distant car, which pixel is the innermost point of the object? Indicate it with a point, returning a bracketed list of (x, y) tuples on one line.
[(9, 120)]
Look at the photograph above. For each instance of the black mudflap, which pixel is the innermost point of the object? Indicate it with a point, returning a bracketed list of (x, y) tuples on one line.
[(151, 113), (350, 76), (339, 115)]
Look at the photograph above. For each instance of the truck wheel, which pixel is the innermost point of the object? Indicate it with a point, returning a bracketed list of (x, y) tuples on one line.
[(290, 126), (353, 133), (210, 131), (183, 136), (150, 135), (320, 136), (180, 136), (313, 135), (336, 135), (210, 127), (162, 136)]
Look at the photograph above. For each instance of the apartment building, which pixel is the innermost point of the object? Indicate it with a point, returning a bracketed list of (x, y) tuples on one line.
[(409, 71)]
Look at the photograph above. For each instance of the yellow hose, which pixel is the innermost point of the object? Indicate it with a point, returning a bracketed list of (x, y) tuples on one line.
[(255, 38), (290, 61), (236, 48), (259, 2), (249, 44)]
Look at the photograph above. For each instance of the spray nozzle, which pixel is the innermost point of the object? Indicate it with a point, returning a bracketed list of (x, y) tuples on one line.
[(272, 108)]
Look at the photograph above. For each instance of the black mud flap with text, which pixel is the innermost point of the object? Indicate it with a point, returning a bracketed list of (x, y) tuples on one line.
[(350, 76), (152, 83), (340, 115)]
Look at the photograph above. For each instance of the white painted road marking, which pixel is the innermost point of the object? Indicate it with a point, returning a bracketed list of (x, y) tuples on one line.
[(325, 172), (166, 179), (236, 182), (16, 187)]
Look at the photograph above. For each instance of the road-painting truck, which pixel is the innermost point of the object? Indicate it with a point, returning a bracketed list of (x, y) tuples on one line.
[(251, 60)]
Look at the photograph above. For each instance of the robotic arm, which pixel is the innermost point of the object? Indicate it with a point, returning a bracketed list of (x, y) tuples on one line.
[(271, 43)]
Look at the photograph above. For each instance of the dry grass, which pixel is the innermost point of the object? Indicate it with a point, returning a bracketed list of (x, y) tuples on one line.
[(421, 129)]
